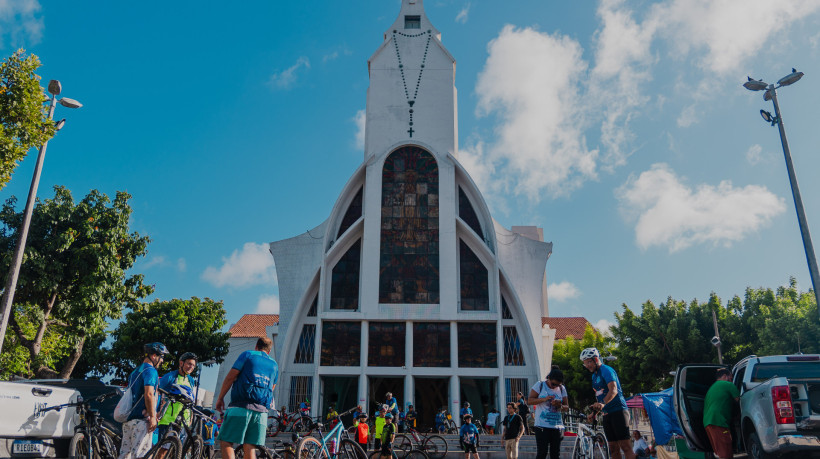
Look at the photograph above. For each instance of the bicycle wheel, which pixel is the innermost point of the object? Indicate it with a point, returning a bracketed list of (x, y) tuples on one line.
[(170, 444), (435, 446), (309, 448), (578, 448), (378, 455), (78, 447), (274, 426), (402, 444), (349, 449), (193, 448), (600, 448), (106, 445), (416, 454)]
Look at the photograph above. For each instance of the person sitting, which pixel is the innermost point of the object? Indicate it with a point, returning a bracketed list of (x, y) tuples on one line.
[(639, 446)]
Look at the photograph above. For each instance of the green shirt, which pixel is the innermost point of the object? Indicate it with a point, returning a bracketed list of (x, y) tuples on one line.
[(175, 407), (718, 403)]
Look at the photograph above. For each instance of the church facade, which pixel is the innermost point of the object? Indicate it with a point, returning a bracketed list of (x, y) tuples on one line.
[(410, 286)]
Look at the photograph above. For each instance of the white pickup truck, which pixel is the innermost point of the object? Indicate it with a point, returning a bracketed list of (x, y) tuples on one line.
[(25, 431), (779, 410)]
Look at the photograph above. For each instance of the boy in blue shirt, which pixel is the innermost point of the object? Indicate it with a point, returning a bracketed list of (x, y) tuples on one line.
[(469, 437)]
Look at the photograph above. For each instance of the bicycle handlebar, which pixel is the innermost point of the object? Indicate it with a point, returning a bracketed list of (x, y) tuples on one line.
[(98, 398)]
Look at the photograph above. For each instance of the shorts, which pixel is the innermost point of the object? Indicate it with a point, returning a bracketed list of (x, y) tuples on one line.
[(387, 449), (721, 440), (616, 426), (469, 447), (245, 426)]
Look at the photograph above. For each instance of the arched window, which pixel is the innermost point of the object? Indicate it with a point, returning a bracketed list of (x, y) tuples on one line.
[(475, 294), (409, 260), (344, 287), (353, 213)]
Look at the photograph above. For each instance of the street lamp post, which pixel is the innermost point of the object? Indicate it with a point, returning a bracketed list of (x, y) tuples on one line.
[(777, 119), (54, 88)]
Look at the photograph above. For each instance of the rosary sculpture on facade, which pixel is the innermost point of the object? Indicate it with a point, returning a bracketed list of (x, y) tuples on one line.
[(412, 101)]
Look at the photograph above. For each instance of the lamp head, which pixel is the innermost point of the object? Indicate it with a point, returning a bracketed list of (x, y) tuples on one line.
[(54, 87), (791, 78), (755, 85), (715, 341), (767, 117), (59, 124), (70, 103), (767, 96)]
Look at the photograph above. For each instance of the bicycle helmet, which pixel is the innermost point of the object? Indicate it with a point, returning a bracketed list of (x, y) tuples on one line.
[(590, 353), (155, 348), (388, 416), (185, 391), (466, 404), (187, 356)]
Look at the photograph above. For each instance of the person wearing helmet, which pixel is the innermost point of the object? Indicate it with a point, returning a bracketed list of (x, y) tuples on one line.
[(465, 410), (177, 381), (137, 431), (469, 437), (410, 417), (387, 436), (379, 426), (611, 403), (251, 380)]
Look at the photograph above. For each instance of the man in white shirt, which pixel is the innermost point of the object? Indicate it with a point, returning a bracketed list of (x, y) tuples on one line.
[(639, 446)]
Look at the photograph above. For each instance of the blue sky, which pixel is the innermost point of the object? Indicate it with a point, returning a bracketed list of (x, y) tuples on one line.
[(620, 127)]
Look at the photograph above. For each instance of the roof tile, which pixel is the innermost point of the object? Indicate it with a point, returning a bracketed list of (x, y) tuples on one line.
[(253, 325), (566, 326)]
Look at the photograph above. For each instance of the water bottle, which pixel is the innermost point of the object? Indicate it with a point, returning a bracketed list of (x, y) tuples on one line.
[(331, 446)]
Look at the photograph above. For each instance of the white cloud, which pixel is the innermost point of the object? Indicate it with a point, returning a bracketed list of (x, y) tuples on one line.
[(688, 116), (603, 326), (268, 304), (19, 21), (562, 291), (286, 78), (529, 83), (158, 260), (330, 57), (253, 265), (182, 265), (361, 121), (669, 213), (463, 14), (754, 154)]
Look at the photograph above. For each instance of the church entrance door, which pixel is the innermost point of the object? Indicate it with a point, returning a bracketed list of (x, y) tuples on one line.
[(431, 395)]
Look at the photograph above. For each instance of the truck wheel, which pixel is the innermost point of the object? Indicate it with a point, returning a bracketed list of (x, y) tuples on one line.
[(754, 448)]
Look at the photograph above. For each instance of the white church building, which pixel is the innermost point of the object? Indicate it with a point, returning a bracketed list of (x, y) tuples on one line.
[(409, 285)]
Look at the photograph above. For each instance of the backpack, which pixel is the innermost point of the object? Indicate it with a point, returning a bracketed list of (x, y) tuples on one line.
[(126, 404)]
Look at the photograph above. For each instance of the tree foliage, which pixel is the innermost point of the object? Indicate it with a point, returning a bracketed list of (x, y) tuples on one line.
[(72, 281), (24, 119), (577, 379), (653, 343), (182, 325)]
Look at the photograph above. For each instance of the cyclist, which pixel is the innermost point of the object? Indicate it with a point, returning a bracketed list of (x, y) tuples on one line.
[(304, 408), (379, 424), (362, 431), (492, 420), (611, 402), (469, 437), (387, 436), (392, 404), (550, 399), (466, 410), (182, 378), (410, 417), (143, 381), (332, 416), (402, 418), (441, 420)]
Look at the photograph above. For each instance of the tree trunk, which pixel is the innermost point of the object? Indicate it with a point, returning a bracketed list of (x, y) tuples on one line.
[(72, 359), (37, 343)]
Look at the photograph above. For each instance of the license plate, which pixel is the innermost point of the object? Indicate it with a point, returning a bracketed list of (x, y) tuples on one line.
[(27, 447)]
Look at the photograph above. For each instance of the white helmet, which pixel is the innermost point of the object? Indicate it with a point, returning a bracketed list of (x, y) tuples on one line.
[(590, 353)]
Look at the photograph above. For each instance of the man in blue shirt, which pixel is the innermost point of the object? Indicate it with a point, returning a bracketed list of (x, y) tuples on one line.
[(441, 420), (611, 403), (251, 381), (392, 405), (469, 437), (465, 411), (137, 431)]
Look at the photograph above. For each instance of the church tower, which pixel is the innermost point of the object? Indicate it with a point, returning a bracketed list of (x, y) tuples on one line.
[(410, 286)]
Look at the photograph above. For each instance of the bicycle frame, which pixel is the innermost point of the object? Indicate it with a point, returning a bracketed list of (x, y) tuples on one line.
[(335, 434)]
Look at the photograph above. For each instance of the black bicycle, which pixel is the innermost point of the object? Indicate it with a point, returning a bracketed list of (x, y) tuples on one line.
[(193, 446), (94, 437)]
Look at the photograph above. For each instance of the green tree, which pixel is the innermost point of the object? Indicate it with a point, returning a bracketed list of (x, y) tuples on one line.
[(577, 379), (182, 325), (72, 280), (24, 119)]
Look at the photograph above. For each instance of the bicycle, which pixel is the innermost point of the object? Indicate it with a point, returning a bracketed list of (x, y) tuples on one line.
[(92, 436), (435, 446), (331, 445), (412, 454), (193, 445), (589, 444), (280, 450)]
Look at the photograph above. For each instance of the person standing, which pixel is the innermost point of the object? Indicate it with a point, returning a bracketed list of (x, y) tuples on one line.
[(137, 431), (611, 403), (492, 420), (717, 413), (469, 436), (513, 430), (387, 437), (441, 420), (392, 405), (524, 412), (465, 410), (379, 427), (181, 377), (251, 380), (410, 418), (549, 400), (362, 431)]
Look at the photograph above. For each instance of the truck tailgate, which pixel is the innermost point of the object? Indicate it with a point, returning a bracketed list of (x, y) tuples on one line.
[(21, 416)]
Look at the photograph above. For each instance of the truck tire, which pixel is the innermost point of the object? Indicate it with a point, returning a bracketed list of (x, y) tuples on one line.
[(754, 448)]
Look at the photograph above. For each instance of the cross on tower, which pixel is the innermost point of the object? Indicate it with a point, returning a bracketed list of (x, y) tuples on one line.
[(411, 131)]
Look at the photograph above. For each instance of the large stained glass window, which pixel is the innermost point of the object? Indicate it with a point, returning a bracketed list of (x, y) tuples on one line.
[(386, 344), (344, 287), (431, 344), (477, 345), (307, 340), (341, 343), (409, 263), (513, 354), (475, 294), (467, 213), (354, 212)]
